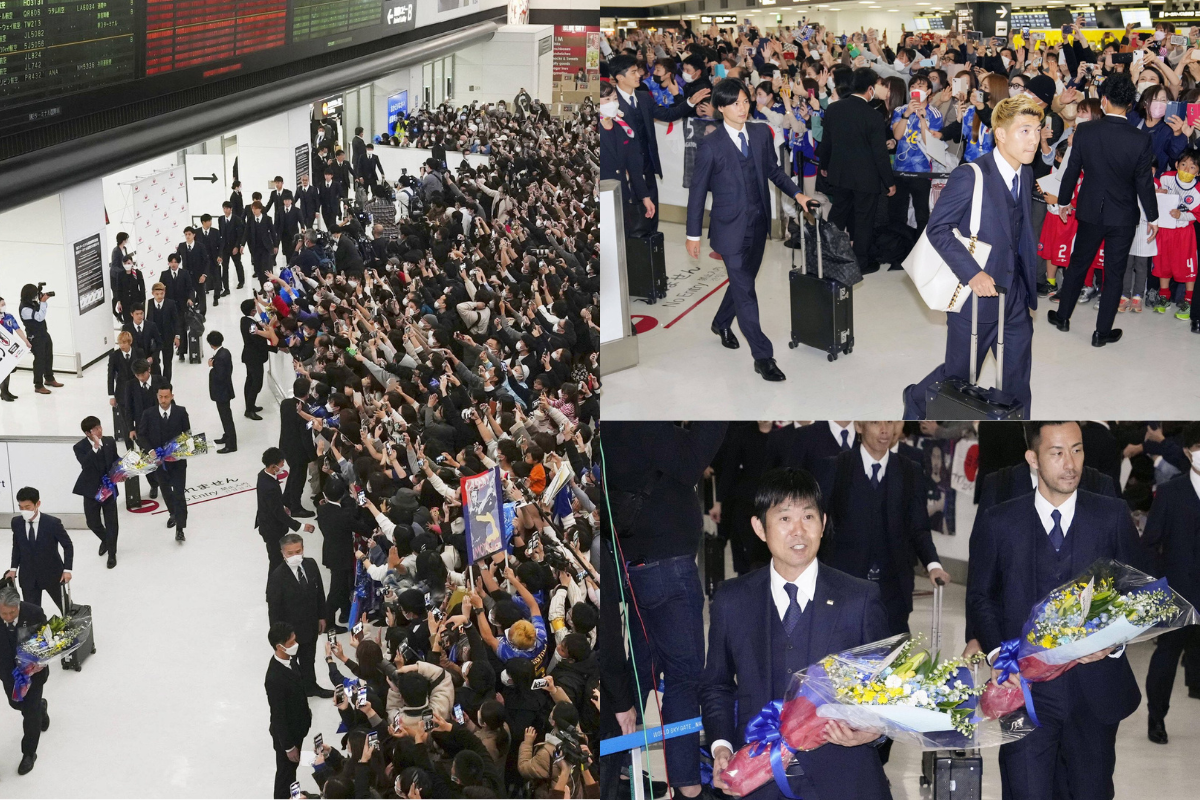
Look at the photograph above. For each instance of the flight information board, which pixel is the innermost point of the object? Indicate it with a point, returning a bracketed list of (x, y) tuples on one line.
[(1032, 20), (52, 47), (66, 58)]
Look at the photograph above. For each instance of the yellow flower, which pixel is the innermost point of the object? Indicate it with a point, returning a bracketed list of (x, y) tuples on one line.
[(1047, 641), (869, 697)]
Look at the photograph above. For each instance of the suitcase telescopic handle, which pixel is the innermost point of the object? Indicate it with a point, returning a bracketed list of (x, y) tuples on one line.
[(999, 340), (935, 634)]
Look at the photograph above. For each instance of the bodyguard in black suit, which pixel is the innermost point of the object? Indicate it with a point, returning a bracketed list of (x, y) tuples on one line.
[(210, 237), (878, 522), (272, 519), (1030, 546), (233, 238), (778, 619), (343, 173), (36, 563), (855, 163), (129, 290), (220, 389), (288, 222), (369, 170), (735, 162), (158, 426), (287, 698), (263, 241), (178, 283), (296, 442), (196, 261), (1117, 161), (1173, 537), (346, 258), (167, 317), (19, 622), (808, 447), (296, 595), (339, 520), (256, 344), (330, 193), (639, 110), (96, 453)]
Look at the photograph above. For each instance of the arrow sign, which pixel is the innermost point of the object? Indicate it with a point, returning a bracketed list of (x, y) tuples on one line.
[(1003, 12), (212, 179)]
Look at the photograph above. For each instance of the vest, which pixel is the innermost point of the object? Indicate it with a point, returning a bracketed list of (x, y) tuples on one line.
[(789, 653), (1016, 212), (750, 181), (33, 327), (1052, 569)]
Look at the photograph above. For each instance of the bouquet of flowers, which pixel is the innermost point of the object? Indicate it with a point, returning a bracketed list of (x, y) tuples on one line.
[(185, 445), (57, 638), (893, 686), (1108, 605), (135, 462)]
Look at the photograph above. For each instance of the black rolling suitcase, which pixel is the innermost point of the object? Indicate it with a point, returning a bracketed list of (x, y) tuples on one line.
[(195, 329), (822, 308), (954, 398), (646, 264), (75, 659), (953, 774)]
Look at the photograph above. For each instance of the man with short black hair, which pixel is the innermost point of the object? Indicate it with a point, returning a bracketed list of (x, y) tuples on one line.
[(272, 519), (296, 431), (36, 563), (19, 622), (233, 239), (159, 426), (288, 702), (96, 453), (220, 389)]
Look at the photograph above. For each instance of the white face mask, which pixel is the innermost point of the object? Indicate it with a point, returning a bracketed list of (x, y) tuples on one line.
[(1006, 61), (27, 514), (294, 561), (291, 651), (1141, 87), (609, 109), (688, 78)]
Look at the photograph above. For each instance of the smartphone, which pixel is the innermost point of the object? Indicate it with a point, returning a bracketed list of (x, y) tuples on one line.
[(362, 696), (357, 629), (918, 95), (373, 739), (1176, 109), (812, 92), (538, 683), (1066, 30), (979, 98), (427, 720), (331, 637), (318, 742), (458, 714), (1024, 31), (339, 694), (428, 602), (961, 85), (361, 497), (928, 62)]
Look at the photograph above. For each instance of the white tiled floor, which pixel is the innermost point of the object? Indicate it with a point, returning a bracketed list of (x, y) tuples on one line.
[(684, 373), (1144, 770), (172, 703)]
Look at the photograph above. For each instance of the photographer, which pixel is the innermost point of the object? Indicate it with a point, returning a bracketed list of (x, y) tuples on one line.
[(33, 317)]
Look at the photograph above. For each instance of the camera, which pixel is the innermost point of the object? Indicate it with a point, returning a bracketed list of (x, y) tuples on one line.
[(569, 745), (42, 284)]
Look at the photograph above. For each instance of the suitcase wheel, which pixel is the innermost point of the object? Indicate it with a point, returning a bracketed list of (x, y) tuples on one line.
[(792, 344), (77, 667), (93, 649), (924, 781), (848, 349), (832, 356)]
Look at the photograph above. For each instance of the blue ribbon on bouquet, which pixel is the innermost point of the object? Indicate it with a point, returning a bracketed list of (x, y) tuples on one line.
[(706, 767), (359, 597), (106, 484), (21, 682), (1008, 662), (762, 733)]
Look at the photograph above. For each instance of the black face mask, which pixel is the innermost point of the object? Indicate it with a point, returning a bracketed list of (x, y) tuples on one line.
[(660, 80)]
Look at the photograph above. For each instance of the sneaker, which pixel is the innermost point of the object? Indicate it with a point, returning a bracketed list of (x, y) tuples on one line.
[(1054, 298), (1185, 310), (1137, 305), (1124, 306), (1089, 294), (1161, 303)]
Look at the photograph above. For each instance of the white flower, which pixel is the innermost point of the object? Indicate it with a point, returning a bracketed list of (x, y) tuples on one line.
[(892, 682), (907, 690), (920, 697)]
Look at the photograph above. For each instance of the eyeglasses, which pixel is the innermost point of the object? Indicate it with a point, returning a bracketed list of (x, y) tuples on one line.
[(1015, 85)]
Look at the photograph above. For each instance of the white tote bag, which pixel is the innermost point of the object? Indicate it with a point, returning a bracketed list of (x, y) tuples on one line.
[(937, 283)]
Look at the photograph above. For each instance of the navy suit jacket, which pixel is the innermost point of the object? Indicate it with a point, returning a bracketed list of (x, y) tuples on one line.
[(30, 620), (39, 560), (621, 160), (647, 111), (220, 377), (1002, 587), (154, 431), (717, 170), (953, 212), (805, 447), (1173, 536), (93, 465), (737, 682)]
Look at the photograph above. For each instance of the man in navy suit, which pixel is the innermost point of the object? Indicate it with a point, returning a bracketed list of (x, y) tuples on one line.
[(1107, 207), (36, 563), (20, 622), (220, 389), (878, 520), (1005, 225), (734, 163), (769, 623), (639, 110), (159, 425), (1028, 547), (96, 453), (1173, 535), (808, 446)]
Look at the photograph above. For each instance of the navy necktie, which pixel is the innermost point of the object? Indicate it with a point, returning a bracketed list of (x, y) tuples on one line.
[(845, 441), (745, 145), (875, 475), (1016, 189), (791, 617), (1056, 533)]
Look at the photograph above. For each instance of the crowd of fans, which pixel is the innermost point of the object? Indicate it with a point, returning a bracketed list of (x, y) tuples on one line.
[(470, 128)]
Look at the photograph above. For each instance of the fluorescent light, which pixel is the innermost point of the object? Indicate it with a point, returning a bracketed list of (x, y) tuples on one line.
[(893, 10)]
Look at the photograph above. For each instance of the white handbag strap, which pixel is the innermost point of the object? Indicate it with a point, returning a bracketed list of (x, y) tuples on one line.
[(976, 200)]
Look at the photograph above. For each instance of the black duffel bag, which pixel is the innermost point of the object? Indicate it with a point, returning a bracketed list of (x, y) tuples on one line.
[(839, 261)]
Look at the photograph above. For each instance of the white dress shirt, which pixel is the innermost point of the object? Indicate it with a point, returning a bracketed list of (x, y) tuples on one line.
[(1007, 173), (1195, 476), (628, 97), (165, 412), (836, 430), (1044, 508)]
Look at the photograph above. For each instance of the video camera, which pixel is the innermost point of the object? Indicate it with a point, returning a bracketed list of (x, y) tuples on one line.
[(40, 292)]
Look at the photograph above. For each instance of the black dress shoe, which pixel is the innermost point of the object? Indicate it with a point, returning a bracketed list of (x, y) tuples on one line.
[(8, 398), (257, 408), (303, 513), (1195, 329), (1194, 693), (45, 715), (103, 548), (895, 267), (224, 450), (26, 764), (112, 560), (317, 691), (767, 368), (1100, 339), (171, 521), (179, 537), (252, 415), (337, 629), (153, 492), (872, 266), (727, 337), (1158, 731), (1057, 321), (240, 285), (219, 441)]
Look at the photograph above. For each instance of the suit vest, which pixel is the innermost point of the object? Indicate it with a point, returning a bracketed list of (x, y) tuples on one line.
[(749, 169), (1053, 569), (789, 653)]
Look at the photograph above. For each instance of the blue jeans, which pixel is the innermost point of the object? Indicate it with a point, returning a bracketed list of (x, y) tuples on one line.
[(671, 601)]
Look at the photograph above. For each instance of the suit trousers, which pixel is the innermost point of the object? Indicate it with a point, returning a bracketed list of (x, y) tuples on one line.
[(32, 715), (31, 592), (274, 554), (263, 263), (293, 490), (341, 583), (162, 359), (740, 299), (640, 225), (1160, 678), (306, 658), (1018, 354), (1117, 239), (102, 520), (254, 383), (228, 432), (1071, 754), (285, 774), (854, 212), (173, 485), (237, 265)]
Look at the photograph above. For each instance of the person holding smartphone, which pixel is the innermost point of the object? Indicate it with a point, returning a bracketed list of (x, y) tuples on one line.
[(912, 125)]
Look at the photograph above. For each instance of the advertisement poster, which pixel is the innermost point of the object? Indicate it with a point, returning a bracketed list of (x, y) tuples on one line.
[(571, 46)]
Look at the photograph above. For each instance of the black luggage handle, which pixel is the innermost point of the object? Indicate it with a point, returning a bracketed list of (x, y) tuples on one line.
[(812, 207)]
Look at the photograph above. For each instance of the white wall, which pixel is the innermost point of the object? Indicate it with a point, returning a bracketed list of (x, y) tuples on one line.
[(497, 69), (83, 216), (31, 250)]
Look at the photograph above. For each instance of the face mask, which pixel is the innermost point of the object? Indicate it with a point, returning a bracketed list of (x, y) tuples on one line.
[(609, 109), (1158, 109), (352, 283), (27, 514), (291, 651), (1006, 61), (1196, 459), (1141, 87), (935, 87), (330, 408), (1080, 119), (1185, 177), (1158, 36), (687, 79), (294, 561)]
